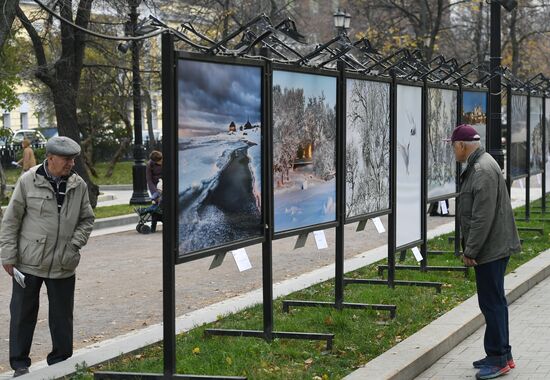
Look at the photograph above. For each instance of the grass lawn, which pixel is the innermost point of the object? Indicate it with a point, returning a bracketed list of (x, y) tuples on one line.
[(116, 210), (359, 335), (122, 174)]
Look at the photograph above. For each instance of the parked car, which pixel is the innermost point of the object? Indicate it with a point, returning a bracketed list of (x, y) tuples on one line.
[(34, 136)]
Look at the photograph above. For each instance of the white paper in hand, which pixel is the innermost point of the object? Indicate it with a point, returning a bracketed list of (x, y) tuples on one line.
[(320, 239), (444, 209), (417, 254), (19, 277), (241, 258), (379, 226)]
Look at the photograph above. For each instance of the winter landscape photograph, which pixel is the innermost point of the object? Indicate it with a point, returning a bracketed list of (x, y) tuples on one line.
[(442, 119), (304, 149), (535, 138), (219, 137), (409, 165), (518, 143), (367, 147), (474, 112)]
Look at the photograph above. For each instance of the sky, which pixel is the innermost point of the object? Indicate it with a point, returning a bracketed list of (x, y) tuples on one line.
[(474, 98), (212, 95), (312, 84)]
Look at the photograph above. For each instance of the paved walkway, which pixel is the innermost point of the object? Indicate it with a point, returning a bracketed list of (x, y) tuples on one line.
[(529, 336)]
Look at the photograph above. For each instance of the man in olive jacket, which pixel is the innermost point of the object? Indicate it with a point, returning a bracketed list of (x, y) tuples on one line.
[(489, 238), (47, 222)]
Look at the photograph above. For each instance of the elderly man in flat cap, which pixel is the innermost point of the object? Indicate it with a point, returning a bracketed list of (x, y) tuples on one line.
[(489, 238), (47, 222)]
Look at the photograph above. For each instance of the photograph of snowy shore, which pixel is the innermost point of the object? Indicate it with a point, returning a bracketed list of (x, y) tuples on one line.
[(442, 119), (304, 150), (535, 125), (367, 147), (518, 150), (409, 165), (220, 155), (474, 112)]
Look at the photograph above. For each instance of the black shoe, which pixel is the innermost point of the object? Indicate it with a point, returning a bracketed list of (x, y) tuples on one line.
[(20, 372)]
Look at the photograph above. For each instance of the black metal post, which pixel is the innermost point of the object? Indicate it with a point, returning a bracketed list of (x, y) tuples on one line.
[(392, 221), (424, 176), (494, 130), (139, 195), (340, 194), (509, 179), (544, 153), (528, 159)]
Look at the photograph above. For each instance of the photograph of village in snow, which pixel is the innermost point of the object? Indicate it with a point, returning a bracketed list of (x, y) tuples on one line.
[(220, 155), (474, 112), (409, 165), (442, 119), (518, 149), (367, 147), (304, 149), (535, 125)]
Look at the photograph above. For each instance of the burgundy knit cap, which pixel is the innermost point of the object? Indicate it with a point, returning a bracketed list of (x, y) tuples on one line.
[(464, 132)]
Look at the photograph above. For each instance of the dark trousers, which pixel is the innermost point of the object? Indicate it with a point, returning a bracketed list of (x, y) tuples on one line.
[(493, 305), (24, 311)]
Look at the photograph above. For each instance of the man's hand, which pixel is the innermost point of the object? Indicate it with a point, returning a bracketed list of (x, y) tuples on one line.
[(468, 261), (8, 268)]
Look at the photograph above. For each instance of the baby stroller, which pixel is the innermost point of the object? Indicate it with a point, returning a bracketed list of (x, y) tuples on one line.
[(151, 214)]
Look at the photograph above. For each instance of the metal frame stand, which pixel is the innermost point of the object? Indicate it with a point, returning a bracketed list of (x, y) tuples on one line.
[(169, 246), (391, 281), (339, 303), (267, 247)]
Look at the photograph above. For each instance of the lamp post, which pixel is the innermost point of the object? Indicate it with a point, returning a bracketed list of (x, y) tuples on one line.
[(139, 195), (495, 102), (341, 21)]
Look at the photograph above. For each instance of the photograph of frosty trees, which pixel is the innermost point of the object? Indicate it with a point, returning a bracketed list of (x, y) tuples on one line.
[(535, 126), (304, 149), (474, 112), (367, 147), (518, 146), (442, 119), (220, 155), (409, 165)]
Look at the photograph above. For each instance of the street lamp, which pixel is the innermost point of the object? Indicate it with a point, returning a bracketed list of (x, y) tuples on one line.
[(494, 130), (342, 21), (139, 195)]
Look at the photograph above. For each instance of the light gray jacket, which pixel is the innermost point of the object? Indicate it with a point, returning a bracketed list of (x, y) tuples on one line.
[(486, 216), (38, 239)]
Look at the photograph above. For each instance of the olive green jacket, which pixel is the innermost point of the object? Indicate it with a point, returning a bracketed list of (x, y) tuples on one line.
[(486, 217), (38, 239)]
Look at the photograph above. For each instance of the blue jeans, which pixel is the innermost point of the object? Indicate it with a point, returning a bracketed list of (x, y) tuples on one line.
[(493, 305)]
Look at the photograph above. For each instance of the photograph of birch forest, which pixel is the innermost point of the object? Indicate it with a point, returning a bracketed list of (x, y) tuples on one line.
[(442, 119), (367, 147)]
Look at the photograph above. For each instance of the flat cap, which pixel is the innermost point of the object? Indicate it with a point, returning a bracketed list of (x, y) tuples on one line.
[(62, 146)]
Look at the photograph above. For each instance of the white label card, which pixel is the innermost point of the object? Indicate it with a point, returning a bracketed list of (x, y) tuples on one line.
[(417, 254), (444, 209), (320, 239), (241, 258), (379, 226)]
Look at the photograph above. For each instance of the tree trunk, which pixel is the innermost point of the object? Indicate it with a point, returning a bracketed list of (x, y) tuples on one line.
[(6, 20), (123, 146), (149, 116), (65, 112)]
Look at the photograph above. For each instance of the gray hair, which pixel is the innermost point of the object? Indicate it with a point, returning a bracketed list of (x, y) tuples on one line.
[(473, 144)]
